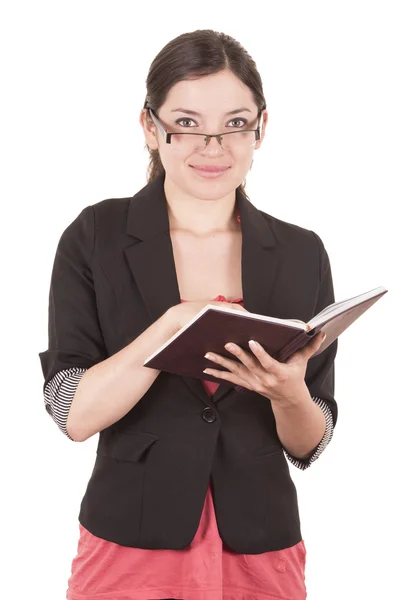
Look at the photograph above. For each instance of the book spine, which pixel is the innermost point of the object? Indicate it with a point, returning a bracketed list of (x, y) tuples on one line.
[(295, 344)]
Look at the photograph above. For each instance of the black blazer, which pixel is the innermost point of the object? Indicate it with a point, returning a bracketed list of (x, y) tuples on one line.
[(113, 275)]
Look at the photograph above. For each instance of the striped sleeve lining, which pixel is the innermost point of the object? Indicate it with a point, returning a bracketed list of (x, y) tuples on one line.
[(329, 430), (59, 393), (60, 390)]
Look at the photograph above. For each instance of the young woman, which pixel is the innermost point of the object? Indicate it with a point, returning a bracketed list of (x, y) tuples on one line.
[(190, 495)]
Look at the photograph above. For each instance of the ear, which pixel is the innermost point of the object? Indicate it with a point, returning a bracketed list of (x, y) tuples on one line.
[(149, 129)]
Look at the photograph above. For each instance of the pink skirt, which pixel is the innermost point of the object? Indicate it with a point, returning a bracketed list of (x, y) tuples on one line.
[(205, 570)]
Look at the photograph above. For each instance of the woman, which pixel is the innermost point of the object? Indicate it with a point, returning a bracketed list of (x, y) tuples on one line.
[(190, 496)]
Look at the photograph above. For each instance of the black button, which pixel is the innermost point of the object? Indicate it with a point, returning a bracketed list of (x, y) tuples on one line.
[(209, 415)]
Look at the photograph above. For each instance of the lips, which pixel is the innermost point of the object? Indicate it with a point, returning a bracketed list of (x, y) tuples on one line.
[(210, 168)]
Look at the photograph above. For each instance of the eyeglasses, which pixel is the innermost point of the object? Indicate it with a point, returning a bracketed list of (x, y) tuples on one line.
[(230, 140)]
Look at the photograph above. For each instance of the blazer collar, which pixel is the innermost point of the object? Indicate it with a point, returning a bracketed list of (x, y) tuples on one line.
[(151, 260)]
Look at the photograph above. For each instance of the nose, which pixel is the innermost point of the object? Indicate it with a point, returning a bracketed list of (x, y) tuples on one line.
[(216, 142), (216, 139)]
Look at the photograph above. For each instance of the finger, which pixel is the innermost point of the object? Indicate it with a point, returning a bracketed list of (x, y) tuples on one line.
[(222, 360), (244, 357), (241, 368), (266, 361), (228, 376)]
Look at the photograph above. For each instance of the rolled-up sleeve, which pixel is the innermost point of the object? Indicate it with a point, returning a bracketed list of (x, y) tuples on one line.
[(305, 463), (75, 339), (59, 393), (320, 371)]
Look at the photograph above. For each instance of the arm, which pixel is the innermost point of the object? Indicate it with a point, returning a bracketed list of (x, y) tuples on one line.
[(76, 341), (121, 377), (305, 462), (303, 426)]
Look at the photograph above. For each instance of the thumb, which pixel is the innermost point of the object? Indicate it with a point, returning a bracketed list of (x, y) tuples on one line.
[(314, 345), (307, 351)]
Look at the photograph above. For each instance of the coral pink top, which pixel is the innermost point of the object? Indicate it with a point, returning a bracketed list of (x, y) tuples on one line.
[(205, 570)]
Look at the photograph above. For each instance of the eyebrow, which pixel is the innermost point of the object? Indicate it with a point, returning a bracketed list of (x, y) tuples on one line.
[(196, 114)]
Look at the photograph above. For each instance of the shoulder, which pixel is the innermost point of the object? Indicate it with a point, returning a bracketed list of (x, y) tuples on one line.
[(103, 218), (299, 246), (99, 221), (293, 235), (111, 208)]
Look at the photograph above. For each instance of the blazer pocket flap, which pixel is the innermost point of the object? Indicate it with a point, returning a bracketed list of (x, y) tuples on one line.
[(126, 446), (267, 451)]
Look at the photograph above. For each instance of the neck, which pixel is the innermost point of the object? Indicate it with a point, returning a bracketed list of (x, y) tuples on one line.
[(200, 216)]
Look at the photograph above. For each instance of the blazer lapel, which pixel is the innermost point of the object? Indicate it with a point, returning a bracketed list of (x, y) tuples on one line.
[(258, 266), (151, 260)]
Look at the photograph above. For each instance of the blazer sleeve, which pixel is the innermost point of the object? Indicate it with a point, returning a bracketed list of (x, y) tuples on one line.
[(320, 371), (74, 334)]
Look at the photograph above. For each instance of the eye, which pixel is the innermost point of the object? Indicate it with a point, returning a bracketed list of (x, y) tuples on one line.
[(179, 121), (244, 121)]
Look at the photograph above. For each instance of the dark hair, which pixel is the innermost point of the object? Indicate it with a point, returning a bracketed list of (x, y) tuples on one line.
[(190, 56)]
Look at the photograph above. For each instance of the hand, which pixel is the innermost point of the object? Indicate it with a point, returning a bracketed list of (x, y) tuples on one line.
[(182, 313), (280, 382)]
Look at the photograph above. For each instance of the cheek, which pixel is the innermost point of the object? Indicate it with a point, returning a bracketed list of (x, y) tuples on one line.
[(172, 164), (176, 167)]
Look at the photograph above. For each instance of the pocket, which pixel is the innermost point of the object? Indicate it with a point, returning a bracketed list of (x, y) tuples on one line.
[(267, 451), (129, 446)]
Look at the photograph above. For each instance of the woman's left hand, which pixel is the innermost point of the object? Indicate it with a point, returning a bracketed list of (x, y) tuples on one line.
[(280, 382)]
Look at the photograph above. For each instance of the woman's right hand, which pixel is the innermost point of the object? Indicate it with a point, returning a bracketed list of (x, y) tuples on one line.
[(184, 312)]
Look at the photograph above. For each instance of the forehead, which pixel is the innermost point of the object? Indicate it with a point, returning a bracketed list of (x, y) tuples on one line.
[(217, 93)]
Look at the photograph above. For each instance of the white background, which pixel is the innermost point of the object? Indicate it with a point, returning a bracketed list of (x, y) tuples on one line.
[(73, 80)]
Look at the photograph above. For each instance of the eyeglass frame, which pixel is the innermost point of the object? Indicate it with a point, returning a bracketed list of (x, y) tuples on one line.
[(208, 136)]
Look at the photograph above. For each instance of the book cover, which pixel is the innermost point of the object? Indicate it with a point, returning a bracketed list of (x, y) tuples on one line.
[(214, 326)]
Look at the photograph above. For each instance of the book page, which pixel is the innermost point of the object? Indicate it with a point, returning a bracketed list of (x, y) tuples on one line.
[(339, 307)]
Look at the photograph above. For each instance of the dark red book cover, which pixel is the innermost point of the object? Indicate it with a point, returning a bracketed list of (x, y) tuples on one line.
[(214, 326)]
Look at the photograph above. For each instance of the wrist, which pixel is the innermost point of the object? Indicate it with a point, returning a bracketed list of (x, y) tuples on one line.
[(297, 397)]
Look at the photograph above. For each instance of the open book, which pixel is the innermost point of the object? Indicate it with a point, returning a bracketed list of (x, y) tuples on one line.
[(214, 326)]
